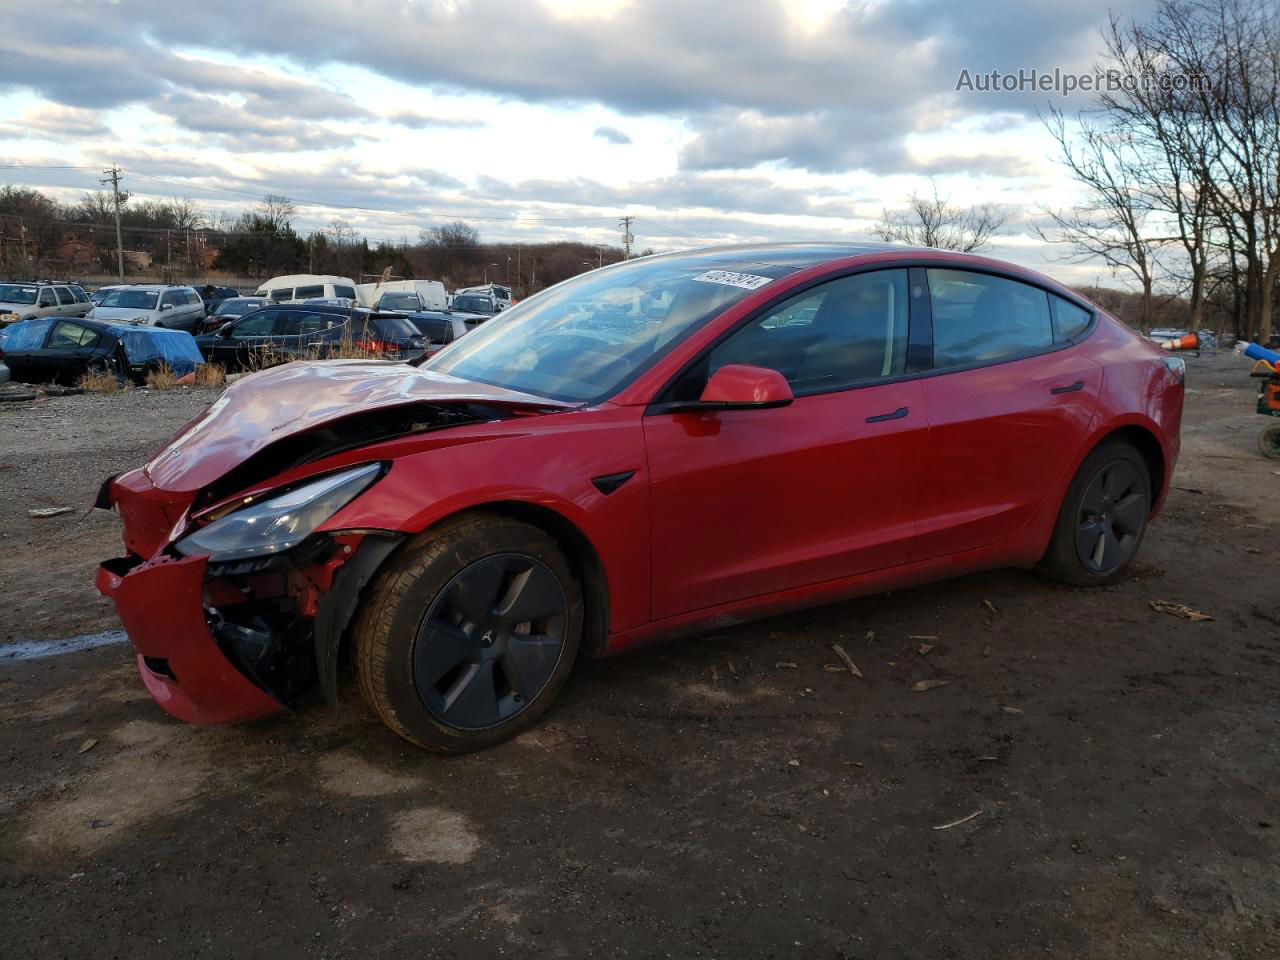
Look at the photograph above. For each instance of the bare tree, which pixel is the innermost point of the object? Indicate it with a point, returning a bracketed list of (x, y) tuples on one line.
[(934, 222), (1112, 226), (276, 212)]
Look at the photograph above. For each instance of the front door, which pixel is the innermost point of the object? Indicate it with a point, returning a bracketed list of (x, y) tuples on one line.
[(750, 502)]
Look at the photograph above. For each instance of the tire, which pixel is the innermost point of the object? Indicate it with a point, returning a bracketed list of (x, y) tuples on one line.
[(1269, 442), (1103, 518), (437, 656)]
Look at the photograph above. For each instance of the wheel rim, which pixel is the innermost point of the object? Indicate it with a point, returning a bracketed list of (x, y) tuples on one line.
[(490, 641), (1112, 515)]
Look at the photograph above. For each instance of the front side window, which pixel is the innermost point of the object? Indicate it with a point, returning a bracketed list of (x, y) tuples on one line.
[(584, 338), (838, 334), (302, 293), (980, 318), (69, 336), (281, 295), (260, 324), (46, 298), (171, 298)]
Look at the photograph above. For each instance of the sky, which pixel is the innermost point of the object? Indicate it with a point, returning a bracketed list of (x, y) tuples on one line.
[(533, 120)]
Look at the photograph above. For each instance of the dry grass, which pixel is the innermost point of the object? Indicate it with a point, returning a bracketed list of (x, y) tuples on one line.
[(260, 358), (161, 378), (210, 375), (100, 382)]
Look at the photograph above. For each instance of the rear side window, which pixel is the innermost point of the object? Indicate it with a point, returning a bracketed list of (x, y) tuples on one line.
[(979, 318), (70, 336), (65, 296), (847, 331), (1068, 320), (302, 293), (285, 294), (79, 294), (347, 292)]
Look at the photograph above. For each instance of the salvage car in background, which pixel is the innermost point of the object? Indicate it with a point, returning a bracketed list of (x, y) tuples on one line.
[(153, 305), (284, 332), (231, 308), (305, 286), (26, 301), (49, 350), (765, 428)]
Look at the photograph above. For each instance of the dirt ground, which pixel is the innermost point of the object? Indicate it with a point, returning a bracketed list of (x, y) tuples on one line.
[(697, 799)]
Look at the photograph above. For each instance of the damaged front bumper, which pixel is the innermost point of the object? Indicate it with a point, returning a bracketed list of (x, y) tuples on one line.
[(227, 643), (160, 604)]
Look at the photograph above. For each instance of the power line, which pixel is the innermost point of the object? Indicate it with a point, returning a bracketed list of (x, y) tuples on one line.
[(113, 177)]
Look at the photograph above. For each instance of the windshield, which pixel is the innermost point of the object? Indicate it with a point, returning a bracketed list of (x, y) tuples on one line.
[(470, 303), (131, 299), (15, 293), (399, 301), (581, 340)]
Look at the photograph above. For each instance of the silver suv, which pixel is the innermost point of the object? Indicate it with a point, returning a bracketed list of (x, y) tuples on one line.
[(23, 301), (153, 305)]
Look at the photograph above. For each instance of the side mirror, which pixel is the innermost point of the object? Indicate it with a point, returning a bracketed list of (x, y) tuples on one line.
[(225, 329), (165, 306), (738, 386)]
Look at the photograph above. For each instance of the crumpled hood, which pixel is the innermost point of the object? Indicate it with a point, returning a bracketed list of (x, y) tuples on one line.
[(265, 407)]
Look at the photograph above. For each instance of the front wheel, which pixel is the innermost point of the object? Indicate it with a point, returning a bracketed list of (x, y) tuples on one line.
[(1103, 518), (469, 634)]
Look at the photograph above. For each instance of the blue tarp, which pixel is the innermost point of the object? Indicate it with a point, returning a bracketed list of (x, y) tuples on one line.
[(177, 348), (142, 345), (25, 335)]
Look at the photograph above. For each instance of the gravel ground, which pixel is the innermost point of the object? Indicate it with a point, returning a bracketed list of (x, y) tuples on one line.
[(1097, 780)]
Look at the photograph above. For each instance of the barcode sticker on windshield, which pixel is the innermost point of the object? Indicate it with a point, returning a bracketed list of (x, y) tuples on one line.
[(747, 281)]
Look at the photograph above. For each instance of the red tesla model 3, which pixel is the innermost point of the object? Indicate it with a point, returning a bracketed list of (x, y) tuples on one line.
[(633, 454)]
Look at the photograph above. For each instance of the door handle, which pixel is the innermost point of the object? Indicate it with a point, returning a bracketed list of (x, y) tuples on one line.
[(1069, 388), (896, 415)]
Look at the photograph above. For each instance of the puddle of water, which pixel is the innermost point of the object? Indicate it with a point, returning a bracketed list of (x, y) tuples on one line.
[(36, 649)]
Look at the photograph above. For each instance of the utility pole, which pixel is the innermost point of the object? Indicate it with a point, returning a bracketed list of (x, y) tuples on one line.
[(311, 252), (627, 238), (112, 177)]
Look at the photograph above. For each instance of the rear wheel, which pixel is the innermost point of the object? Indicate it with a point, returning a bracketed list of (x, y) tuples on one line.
[(1103, 518), (470, 634), (1269, 442)]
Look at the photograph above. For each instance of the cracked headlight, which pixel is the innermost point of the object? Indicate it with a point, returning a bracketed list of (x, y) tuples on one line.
[(280, 522)]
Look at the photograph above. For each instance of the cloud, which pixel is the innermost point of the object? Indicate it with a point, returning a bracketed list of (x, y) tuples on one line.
[(424, 121), (756, 85), (57, 123), (612, 135)]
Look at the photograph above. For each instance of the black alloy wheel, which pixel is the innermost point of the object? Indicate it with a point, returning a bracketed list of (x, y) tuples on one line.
[(1113, 513), (490, 641)]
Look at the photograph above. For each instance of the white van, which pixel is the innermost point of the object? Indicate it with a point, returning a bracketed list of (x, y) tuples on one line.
[(431, 292), (307, 286)]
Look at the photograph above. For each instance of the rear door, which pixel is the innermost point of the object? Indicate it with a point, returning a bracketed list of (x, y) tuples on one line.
[(751, 502), (1009, 404)]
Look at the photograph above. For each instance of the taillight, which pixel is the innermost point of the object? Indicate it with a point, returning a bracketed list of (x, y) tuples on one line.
[(1177, 366), (376, 346)]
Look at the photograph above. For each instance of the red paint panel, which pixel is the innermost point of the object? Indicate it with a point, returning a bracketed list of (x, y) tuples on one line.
[(999, 441), (748, 502)]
